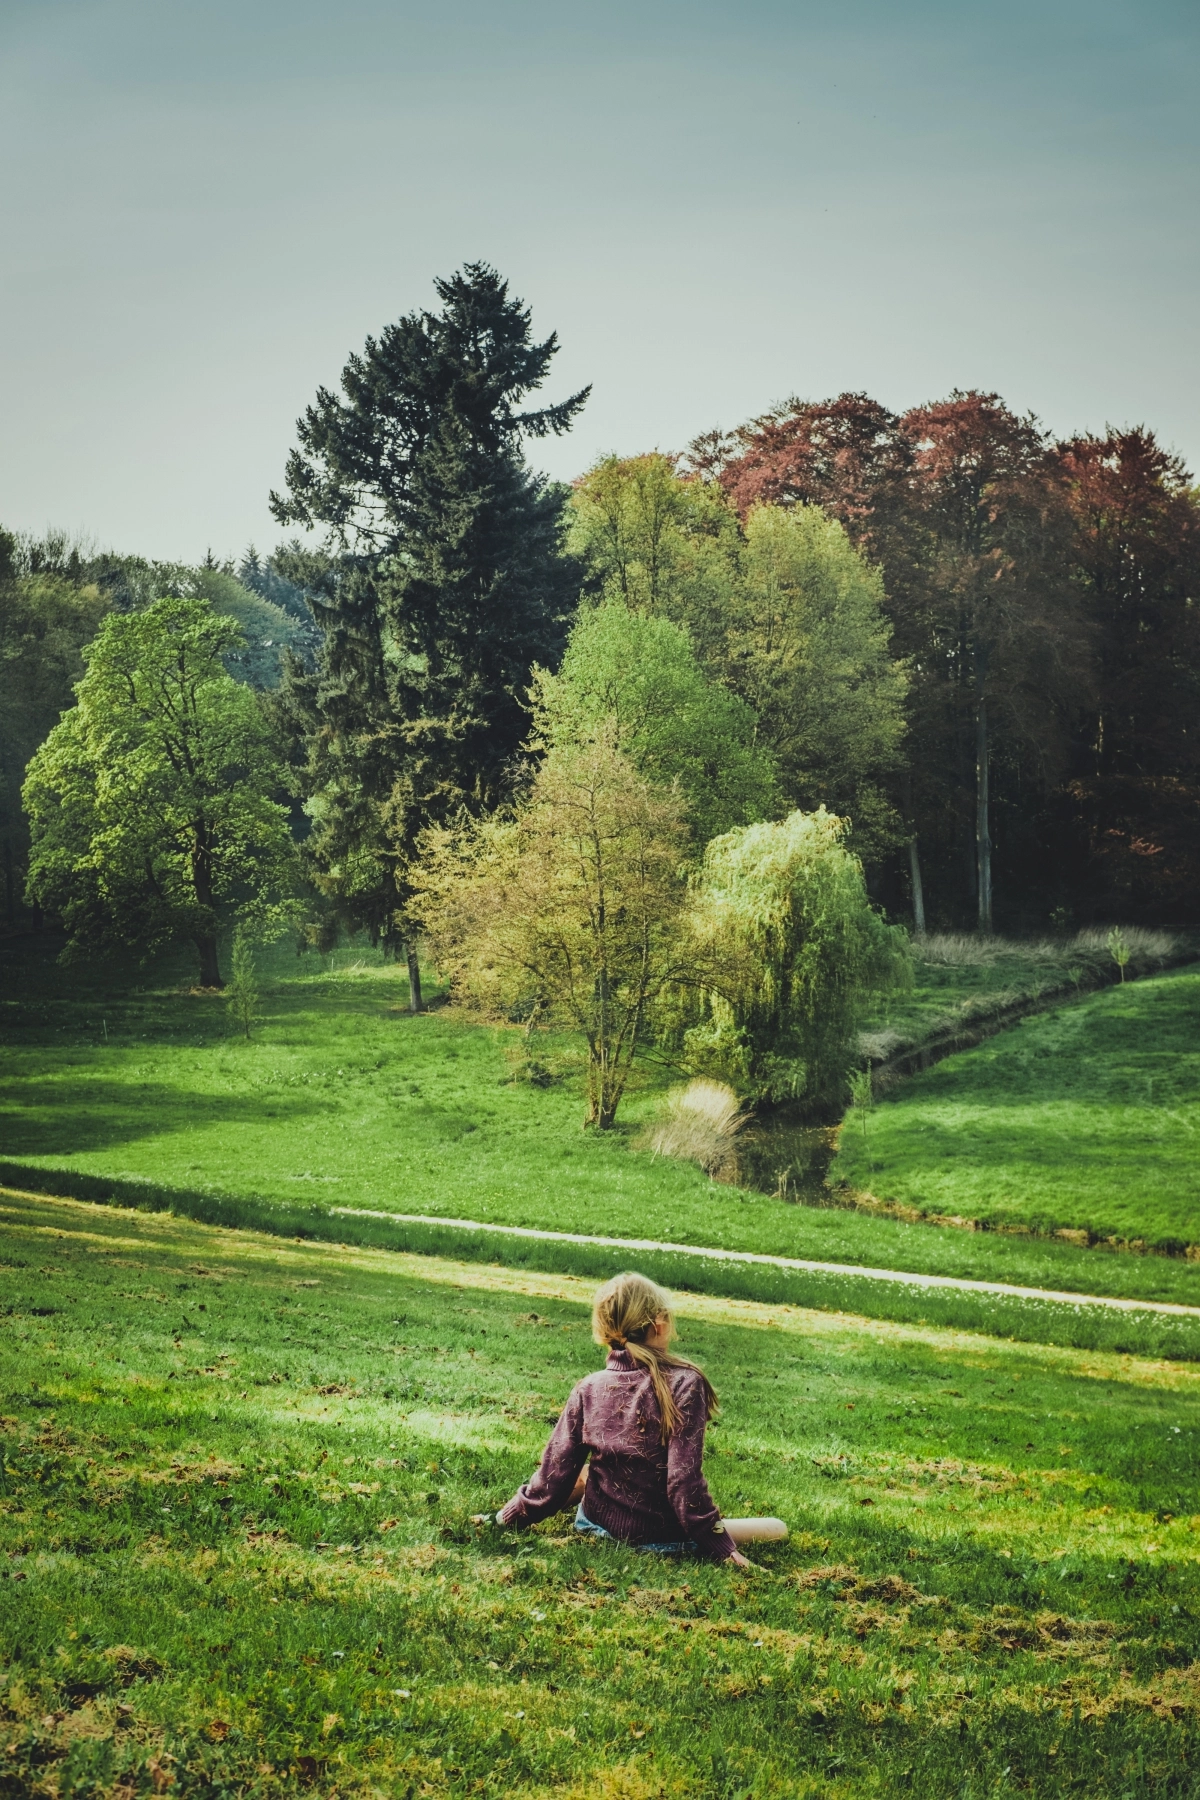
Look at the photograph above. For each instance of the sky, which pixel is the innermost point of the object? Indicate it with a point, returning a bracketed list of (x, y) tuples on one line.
[(209, 204)]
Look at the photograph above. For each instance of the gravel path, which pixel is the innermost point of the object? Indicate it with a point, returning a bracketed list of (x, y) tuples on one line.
[(905, 1277)]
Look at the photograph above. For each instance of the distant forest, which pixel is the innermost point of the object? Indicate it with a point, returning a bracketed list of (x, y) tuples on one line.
[(1045, 598), (998, 681)]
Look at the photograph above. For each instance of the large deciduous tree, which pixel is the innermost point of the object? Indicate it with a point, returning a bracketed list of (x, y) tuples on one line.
[(152, 801), (661, 544), (960, 505), (810, 648), (442, 580), (1001, 614)]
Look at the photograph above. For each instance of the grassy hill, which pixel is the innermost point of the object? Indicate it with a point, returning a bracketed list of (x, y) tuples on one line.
[(237, 1482), (964, 981), (1086, 1118), (343, 1098)]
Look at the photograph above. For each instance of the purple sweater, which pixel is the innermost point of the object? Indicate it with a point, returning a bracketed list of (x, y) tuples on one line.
[(638, 1488)]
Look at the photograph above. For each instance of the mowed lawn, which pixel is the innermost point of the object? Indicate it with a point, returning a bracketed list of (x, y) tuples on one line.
[(1086, 1118), (238, 1558), (345, 1099)]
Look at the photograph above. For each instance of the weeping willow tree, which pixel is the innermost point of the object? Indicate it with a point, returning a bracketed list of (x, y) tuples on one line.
[(791, 949)]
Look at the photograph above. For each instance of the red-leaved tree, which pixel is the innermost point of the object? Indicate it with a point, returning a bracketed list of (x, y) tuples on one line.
[(961, 503), (1136, 786)]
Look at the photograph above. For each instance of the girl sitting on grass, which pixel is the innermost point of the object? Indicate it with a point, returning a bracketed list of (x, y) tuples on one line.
[(641, 1420)]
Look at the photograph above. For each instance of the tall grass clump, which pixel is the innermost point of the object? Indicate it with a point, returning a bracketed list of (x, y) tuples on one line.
[(974, 950), (700, 1124), (1140, 943)]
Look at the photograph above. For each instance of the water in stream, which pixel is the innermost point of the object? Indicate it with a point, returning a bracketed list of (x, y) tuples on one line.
[(779, 1156)]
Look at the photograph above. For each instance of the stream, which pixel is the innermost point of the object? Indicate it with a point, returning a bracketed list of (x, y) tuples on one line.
[(780, 1156)]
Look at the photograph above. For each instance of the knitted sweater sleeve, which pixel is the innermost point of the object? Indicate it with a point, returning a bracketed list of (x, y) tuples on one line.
[(687, 1489), (548, 1490)]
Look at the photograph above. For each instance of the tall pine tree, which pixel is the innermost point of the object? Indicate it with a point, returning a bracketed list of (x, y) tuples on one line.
[(441, 581)]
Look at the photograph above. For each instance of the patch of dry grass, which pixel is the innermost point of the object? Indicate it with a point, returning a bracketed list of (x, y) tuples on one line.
[(700, 1124)]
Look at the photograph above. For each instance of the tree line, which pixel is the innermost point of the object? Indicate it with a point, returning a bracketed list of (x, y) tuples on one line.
[(631, 752), (1044, 599)]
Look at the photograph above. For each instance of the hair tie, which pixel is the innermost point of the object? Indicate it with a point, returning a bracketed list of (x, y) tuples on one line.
[(618, 1343)]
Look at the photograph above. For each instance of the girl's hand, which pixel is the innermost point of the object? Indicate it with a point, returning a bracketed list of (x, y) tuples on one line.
[(743, 1562)]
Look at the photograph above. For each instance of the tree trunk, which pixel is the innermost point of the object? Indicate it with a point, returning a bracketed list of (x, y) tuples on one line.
[(202, 884), (210, 969), (918, 892), (983, 835), (414, 979)]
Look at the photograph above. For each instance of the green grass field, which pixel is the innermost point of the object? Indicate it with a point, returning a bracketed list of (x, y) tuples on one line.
[(963, 980), (237, 1485), (343, 1098), (1085, 1118)]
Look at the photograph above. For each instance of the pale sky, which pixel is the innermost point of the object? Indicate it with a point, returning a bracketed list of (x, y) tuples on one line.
[(207, 204)]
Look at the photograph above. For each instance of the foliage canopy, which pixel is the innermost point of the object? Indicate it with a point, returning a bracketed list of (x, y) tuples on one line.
[(810, 647), (45, 620), (637, 676), (151, 801), (783, 611)]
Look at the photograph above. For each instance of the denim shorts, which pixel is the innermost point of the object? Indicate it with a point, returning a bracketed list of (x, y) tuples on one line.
[(679, 1547)]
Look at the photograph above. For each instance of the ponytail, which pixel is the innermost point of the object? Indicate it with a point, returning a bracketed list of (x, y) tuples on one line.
[(625, 1311)]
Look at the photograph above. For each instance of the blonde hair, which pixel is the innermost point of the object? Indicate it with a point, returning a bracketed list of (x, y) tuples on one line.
[(623, 1312)]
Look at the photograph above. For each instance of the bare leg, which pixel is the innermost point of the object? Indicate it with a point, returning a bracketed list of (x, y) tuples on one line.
[(755, 1531)]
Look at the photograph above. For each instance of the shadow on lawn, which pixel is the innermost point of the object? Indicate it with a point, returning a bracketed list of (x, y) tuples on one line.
[(95, 1114)]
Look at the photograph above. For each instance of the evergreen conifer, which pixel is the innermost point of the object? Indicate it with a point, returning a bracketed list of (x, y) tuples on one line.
[(441, 581)]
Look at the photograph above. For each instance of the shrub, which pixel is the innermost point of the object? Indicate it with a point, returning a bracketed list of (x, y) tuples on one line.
[(241, 994), (700, 1125)]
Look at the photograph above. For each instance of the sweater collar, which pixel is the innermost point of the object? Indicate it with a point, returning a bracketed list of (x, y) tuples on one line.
[(621, 1359)]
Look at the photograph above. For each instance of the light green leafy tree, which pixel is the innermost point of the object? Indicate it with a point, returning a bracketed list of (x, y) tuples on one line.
[(784, 612), (810, 650), (153, 802), (567, 909), (662, 544), (790, 950), (637, 677)]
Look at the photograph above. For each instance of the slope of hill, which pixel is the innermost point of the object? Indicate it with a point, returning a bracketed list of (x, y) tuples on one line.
[(238, 1554), (1085, 1119)]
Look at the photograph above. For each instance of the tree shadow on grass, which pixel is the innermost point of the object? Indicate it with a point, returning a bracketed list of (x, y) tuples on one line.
[(71, 1117)]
